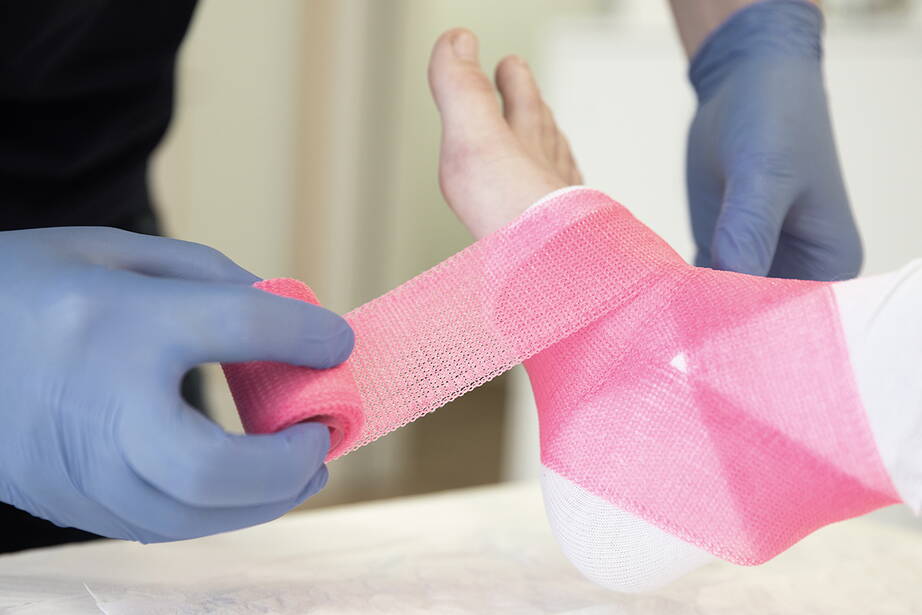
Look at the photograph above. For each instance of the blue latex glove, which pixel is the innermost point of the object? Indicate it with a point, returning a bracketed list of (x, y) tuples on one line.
[(764, 185), (97, 328)]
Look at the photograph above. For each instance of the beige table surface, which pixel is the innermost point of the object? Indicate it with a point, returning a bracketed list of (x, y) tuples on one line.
[(485, 550)]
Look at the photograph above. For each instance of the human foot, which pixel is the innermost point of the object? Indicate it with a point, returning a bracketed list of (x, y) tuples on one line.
[(491, 170), (494, 161)]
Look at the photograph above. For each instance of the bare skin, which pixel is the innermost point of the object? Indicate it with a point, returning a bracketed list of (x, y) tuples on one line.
[(495, 160)]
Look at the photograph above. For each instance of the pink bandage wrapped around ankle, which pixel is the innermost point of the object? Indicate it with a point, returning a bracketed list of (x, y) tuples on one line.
[(719, 407)]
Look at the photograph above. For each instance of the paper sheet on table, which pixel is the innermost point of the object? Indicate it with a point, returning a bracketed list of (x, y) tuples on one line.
[(485, 550), (488, 574)]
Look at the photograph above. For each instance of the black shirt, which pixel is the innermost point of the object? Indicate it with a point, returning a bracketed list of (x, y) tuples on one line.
[(86, 94)]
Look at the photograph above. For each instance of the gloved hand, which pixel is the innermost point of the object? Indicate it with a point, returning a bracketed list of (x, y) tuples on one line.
[(764, 184), (97, 328)]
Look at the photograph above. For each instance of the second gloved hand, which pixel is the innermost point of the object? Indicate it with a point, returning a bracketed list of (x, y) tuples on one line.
[(764, 184), (97, 328)]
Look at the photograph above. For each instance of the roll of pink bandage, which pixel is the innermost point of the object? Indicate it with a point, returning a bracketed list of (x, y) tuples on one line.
[(663, 388), (273, 396)]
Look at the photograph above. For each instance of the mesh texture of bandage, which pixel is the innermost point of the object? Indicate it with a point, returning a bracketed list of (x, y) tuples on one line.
[(718, 407)]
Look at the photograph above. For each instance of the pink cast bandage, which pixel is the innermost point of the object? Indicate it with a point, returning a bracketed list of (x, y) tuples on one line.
[(719, 407)]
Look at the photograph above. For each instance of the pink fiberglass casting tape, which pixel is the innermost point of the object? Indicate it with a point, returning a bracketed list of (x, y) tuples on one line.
[(273, 396), (665, 389)]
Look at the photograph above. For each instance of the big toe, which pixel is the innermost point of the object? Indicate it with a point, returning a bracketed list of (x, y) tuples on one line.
[(485, 174), (463, 93)]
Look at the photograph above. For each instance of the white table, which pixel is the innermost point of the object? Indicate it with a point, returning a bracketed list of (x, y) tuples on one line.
[(485, 550)]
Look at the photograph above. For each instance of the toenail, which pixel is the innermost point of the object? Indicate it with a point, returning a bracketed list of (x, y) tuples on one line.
[(464, 45)]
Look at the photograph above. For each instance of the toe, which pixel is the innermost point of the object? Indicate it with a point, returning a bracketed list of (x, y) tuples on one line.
[(463, 93), (564, 162), (522, 104), (487, 174), (529, 117)]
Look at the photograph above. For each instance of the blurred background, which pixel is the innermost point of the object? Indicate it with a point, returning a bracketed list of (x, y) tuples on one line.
[(305, 144)]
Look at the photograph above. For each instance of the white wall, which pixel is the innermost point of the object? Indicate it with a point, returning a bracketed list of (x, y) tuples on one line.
[(226, 175)]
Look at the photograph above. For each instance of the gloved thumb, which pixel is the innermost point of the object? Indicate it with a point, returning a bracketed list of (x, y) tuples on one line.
[(749, 225)]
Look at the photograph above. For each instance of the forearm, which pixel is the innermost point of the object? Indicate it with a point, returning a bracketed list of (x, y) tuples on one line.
[(696, 19)]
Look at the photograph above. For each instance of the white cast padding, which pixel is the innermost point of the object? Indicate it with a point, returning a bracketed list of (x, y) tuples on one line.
[(611, 547), (882, 320)]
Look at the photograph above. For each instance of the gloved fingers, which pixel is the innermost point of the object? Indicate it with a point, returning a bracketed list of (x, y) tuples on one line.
[(749, 224), (232, 323), (169, 520), (703, 257), (810, 258), (184, 455), (149, 515), (705, 188), (157, 256), (83, 509), (90, 515)]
